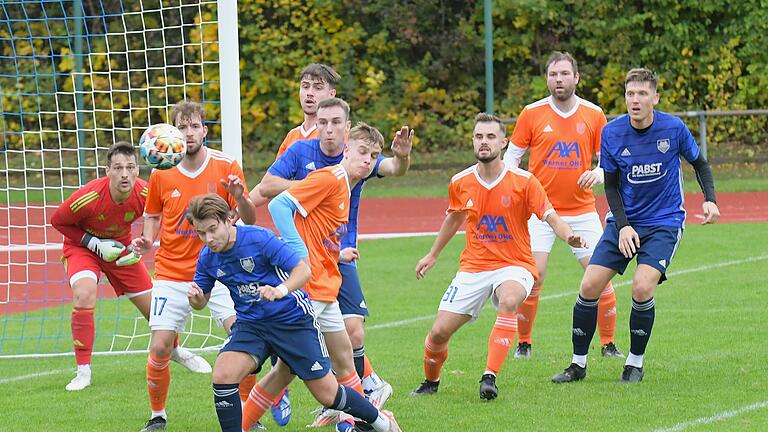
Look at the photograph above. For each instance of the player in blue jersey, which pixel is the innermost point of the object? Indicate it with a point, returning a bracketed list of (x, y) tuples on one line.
[(641, 153), (296, 163), (274, 316)]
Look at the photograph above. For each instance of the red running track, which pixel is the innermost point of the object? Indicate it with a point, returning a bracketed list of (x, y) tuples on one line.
[(26, 287)]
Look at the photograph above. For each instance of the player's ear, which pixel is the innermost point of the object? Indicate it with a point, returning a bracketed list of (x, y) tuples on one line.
[(332, 92)]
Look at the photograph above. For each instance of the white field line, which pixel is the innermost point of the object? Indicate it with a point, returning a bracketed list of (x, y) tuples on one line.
[(574, 293), (34, 375), (717, 417)]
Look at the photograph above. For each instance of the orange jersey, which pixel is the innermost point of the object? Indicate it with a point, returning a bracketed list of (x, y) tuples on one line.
[(562, 146), (322, 199), (497, 218), (170, 192), (296, 134)]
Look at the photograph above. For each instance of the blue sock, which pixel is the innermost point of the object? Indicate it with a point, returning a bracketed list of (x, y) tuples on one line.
[(584, 324), (226, 400), (350, 401), (358, 356), (640, 325)]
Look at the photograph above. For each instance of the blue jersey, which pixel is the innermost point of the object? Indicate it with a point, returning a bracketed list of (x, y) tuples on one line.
[(305, 156), (257, 258), (648, 163)]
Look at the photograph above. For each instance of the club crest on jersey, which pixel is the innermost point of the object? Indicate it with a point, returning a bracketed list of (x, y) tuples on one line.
[(247, 264), (662, 145), (506, 201), (581, 127)]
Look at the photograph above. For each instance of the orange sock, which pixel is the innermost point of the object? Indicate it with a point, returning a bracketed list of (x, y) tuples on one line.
[(351, 380), (158, 381), (83, 334), (500, 340), (434, 358), (526, 314), (255, 406), (246, 385), (368, 368), (606, 314)]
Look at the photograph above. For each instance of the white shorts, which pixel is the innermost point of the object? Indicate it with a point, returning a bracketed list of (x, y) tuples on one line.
[(170, 306), (586, 225), (469, 292), (328, 316)]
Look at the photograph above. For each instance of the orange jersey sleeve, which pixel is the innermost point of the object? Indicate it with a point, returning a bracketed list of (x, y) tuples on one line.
[(322, 199), (562, 146), (296, 134), (170, 192), (497, 218)]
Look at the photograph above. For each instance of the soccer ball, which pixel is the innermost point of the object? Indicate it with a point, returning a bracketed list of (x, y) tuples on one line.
[(162, 146)]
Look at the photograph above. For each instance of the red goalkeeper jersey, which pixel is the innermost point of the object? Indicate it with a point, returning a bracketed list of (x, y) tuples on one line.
[(91, 209)]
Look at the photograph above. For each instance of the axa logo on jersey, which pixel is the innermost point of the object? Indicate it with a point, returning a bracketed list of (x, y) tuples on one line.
[(491, 228), (564, 155)]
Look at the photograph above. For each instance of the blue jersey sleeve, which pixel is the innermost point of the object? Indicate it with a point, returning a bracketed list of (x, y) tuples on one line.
[(280, 255), (282, 209), (688, 147), (203, 278), (375, 172), (286, 165), (607, 163)]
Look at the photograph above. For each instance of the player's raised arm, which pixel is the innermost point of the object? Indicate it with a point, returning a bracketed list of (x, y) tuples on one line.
[(398, 164), (451, 224), (245, 206), (143, 245), (282, 209), (271, 185)]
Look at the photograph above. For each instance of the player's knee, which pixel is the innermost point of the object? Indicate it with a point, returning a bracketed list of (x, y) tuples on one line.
[(439, 334), (356, 335), (590, 288), (84, 296), (161, 347), (508, 304), (224, 375)]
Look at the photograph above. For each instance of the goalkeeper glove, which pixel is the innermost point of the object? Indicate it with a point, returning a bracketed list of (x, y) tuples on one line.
[(106, 249), (129, 259)]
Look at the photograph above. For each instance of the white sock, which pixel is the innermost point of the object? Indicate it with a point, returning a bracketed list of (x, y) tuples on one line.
[(488, 372), (381, 424), (580, 360), (159, 414), (84, 369), (634, 360)]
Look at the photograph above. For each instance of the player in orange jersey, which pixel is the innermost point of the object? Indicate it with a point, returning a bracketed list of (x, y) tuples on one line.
[(496, 202), (96, 224), (311, 216), (563, 132), (202, 171), (317, 82)]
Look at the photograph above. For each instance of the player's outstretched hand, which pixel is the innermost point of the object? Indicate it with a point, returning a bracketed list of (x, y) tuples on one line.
[(424, 265), (270, 293), (106, 249), (588, 179), (711, 212), (233, 185), (402, 143), (577, 241), (141, 245), (349, 254), (629, 241), (196, 296)]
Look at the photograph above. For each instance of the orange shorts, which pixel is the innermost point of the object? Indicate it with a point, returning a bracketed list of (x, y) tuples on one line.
[(125, 280)]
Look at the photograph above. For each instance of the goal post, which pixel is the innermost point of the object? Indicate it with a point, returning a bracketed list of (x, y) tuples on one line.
[(75, 77)]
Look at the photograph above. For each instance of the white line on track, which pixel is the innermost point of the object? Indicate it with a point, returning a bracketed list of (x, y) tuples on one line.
[(717, 417), (34, 375), (573, 293)]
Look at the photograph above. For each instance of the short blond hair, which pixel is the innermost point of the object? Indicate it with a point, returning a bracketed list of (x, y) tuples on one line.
[(368, 134)]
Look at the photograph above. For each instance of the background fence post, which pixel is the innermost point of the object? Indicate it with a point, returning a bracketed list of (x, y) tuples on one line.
[(703, 133)]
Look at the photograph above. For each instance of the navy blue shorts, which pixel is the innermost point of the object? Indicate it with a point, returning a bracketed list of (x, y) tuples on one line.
[(299, 344), (351, 298), (658, 245)]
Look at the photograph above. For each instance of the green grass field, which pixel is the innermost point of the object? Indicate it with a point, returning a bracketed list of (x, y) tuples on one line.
[(705, 361)]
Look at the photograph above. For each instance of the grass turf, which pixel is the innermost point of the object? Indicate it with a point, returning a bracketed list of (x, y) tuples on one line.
[(706, 356)]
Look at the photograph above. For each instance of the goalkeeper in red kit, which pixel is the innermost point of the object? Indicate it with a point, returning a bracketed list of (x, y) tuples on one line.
[(96, 224)]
